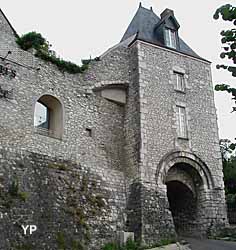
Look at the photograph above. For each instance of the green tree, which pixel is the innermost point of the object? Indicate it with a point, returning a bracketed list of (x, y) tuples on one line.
[(226, 148), (228, 13), (229, 169)]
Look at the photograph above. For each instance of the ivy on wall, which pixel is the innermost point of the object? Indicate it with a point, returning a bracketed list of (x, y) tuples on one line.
[(41, 45)]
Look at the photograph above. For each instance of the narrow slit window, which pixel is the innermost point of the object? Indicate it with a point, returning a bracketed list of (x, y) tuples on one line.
[(89, 132), (182, 122)]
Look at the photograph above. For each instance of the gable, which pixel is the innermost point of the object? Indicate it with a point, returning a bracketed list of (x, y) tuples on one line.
[(6, 27), (8, 43)]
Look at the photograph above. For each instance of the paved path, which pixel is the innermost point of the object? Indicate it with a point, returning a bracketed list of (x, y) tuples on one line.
[(205, 244)]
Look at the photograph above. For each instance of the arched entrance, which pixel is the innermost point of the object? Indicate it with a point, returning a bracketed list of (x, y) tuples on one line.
[(186, 180), (183, 183), (183, 206)]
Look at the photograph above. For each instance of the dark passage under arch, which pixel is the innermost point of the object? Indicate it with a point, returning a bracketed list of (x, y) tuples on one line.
[(183, 206)]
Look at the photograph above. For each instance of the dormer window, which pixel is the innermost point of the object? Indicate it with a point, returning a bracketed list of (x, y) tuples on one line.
[(170, 38)]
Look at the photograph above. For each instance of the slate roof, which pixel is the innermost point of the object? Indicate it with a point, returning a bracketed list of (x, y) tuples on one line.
[(143, 25)]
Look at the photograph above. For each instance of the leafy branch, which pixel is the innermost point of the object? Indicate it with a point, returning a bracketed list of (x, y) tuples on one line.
[(228, 13)]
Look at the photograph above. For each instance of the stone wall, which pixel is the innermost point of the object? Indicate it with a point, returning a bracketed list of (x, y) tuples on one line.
[(159, 128), (37, 161), (65, 200), (158, 100), (120, 151)]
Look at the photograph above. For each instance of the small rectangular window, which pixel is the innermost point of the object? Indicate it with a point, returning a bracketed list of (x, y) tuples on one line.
[(170, 38), (182, 122), (89, 132), (179, 81)]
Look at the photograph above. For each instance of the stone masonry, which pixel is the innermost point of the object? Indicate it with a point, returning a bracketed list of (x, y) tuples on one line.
[(119, 164)]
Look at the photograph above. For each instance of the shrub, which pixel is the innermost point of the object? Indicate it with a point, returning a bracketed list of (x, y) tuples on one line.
[(41, 45), (32, 40), (129, 245), (110, 246)]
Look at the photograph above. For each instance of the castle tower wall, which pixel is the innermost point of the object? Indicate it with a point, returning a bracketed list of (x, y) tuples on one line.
[(159, 99)]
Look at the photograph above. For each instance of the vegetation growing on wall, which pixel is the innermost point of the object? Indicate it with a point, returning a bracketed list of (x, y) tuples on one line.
[(34, 40), (24, 246), (83, 202), (73, 244), (12, 194)]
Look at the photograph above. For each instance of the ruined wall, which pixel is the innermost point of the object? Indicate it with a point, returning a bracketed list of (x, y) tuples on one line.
[(37, 161)]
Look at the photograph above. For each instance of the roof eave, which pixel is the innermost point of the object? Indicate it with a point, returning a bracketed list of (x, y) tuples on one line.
[(160, 45)]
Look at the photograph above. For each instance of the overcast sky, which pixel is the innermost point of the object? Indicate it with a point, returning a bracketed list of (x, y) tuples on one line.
[(79, 29)]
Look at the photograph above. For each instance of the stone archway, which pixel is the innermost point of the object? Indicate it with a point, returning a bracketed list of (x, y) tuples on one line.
[(183, 187), (195, 162), (186, 180)]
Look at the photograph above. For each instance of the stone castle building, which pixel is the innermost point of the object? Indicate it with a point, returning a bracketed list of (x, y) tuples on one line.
[(131, 144)]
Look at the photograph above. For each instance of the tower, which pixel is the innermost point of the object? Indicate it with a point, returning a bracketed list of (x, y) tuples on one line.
[(129, 145), (180, 180)]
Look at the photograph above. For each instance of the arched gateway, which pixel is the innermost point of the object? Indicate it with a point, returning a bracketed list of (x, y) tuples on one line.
[(188, 183)]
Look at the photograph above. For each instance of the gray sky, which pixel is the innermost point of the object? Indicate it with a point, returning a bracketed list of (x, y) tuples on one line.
[(78, 29)]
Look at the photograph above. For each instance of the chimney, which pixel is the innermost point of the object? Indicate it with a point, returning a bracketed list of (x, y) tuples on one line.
[(167, 12)]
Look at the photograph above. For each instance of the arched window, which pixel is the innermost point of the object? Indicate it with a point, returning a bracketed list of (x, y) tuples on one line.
[(48, 116)]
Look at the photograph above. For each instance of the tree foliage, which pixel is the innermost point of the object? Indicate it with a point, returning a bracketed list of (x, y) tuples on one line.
[(226, 148), (228, 40), (229, 169), (32, 40)]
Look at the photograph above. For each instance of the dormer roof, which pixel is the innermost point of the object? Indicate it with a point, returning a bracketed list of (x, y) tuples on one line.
[(167, 16), (145, 23)]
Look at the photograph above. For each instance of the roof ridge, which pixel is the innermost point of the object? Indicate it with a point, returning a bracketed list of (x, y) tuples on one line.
[(145, 8), (141, 6)]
